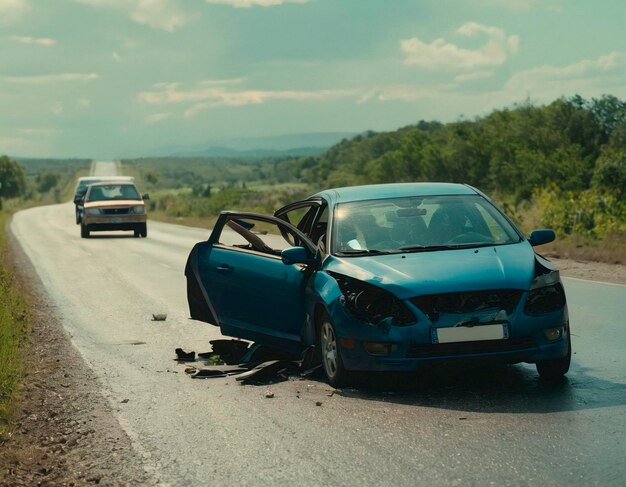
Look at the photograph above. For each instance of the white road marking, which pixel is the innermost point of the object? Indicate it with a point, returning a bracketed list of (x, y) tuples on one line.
[(594, 282)]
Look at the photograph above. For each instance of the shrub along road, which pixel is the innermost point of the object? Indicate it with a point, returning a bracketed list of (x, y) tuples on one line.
[(497, 425)]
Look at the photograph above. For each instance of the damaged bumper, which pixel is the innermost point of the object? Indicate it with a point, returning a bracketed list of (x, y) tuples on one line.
[(366, 347)]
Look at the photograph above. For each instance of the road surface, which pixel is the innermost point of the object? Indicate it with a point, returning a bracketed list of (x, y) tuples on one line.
[(499, 426)]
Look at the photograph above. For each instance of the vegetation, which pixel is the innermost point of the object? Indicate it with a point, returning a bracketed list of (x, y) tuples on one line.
[(14, 324), (561, 165)]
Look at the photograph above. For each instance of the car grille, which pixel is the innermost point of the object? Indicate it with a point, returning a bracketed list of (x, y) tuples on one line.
[(469, 348), (115, 211), (467, 302)]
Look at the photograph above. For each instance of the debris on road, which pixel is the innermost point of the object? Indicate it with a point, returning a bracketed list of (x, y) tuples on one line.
[(269, 394), (248, 362), (159, 316), (183, 356)]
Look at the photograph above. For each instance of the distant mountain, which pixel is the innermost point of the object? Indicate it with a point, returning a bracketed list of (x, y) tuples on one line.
[(280, 145)]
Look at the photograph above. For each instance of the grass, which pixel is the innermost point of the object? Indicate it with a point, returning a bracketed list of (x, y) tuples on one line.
[(14, 324)]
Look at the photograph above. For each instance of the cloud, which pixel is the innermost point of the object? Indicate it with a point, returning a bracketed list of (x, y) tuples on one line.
[(11, 10), (43, 41), (157, 117), (57, 109), (158, 14), (473, 76), (553, 5), (50, 78), (254, 3), (607, 73), (206, 95), (440, 54)]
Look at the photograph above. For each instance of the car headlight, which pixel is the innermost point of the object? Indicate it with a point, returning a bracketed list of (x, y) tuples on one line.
[(139, 210), (92, 211), (546, 294), (372, 304)]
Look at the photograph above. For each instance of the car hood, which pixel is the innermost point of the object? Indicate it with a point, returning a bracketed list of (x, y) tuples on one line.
[(445, 271)]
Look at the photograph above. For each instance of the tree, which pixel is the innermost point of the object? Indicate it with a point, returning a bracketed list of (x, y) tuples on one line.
[(47, 181), (12, 178)]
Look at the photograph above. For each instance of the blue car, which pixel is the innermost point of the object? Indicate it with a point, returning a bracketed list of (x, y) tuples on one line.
[(385, 277)]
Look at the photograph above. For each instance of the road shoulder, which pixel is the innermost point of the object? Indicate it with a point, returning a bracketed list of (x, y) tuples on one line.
[(591, 271), (66, 432)]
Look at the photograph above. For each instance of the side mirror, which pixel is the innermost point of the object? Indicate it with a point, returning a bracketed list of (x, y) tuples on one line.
[(540, 237), (146, 196), (295, 255)]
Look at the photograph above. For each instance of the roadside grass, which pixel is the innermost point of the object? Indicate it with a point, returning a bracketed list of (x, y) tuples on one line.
[(14, 325)]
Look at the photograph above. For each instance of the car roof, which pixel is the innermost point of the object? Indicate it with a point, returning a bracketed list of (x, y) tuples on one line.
[(109, 183), (394, 190), (103, 178)]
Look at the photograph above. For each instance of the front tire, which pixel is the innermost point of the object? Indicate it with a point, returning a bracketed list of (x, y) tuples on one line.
[(337, 375), (141, 230), (554, 369), (84, 232)]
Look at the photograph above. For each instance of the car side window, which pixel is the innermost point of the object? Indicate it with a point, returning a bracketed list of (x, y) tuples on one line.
[(255, 235)]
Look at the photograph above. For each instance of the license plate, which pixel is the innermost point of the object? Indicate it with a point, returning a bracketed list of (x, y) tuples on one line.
[(116, 220), (470, 334)]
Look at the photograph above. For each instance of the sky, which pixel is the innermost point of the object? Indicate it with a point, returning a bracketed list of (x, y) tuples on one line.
[(114, 78)]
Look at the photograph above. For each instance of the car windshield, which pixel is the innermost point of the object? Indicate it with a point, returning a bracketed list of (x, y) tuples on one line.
[(113, 192), (415, 224)]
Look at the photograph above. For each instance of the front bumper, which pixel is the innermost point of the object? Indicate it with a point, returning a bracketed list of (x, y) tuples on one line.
[(413, 346), (113, 222)]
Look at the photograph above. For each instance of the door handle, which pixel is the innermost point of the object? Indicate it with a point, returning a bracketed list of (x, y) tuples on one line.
[(225, 268)]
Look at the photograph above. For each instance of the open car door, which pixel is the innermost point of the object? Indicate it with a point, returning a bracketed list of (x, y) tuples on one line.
[(238, 279)]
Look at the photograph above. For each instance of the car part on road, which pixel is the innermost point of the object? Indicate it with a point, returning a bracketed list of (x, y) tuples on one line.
[(183, 356)]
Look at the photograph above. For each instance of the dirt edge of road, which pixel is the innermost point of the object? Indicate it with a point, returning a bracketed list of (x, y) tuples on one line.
[(66, 433)]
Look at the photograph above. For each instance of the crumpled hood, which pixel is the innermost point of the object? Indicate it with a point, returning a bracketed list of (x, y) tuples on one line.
[(445, 271)]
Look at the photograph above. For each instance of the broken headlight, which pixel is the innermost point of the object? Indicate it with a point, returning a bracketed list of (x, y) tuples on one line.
[(372, 304), (546, 294)]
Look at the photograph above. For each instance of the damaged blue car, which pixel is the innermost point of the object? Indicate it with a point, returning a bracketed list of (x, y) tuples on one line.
[(384, 277)]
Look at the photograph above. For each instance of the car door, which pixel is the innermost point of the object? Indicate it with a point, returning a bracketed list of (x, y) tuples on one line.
[(309, 216), (253, 294)]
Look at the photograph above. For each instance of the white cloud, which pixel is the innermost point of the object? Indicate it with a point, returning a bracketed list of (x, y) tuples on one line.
[(554, 5), (42, 41), (57, 109), (158, 14), (50, 78), (157, 117), (11, 10), (440, 54), (84, 102), (116, 57), (473, 76), (603, 71), (254, 3), (206, 95)]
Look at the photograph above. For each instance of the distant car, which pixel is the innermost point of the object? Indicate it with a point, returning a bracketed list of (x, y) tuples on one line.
[(114, 206), (81, 189), (384, 278)]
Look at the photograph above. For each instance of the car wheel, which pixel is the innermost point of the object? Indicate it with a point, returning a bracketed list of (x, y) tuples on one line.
[(556, 368), (77, 217), (331, 357), (84, 233)]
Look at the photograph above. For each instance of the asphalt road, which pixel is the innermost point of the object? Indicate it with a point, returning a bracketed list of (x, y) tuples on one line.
[(498, 426)]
